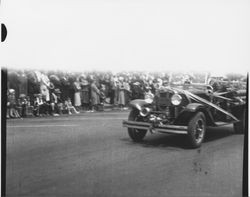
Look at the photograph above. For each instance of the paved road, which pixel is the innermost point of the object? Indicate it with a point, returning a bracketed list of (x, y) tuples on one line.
[(92, 155)]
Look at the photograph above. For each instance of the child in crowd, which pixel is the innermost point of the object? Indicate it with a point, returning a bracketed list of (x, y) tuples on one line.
[(70, 107)]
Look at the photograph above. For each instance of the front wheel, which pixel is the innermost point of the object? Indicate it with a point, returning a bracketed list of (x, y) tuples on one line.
[(196, 130), (136, 135)]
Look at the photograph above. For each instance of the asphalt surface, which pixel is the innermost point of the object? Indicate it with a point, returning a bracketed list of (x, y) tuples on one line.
[(90, 154)]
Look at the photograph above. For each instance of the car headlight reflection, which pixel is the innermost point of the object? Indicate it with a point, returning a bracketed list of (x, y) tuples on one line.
[(176, 99)]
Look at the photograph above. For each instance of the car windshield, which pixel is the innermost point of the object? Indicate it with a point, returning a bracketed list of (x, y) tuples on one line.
[(188, 78)]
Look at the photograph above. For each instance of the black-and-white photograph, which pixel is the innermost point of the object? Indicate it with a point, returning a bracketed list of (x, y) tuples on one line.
[(125, 98)]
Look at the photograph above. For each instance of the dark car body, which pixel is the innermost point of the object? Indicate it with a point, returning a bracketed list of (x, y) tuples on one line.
[(186, 109)]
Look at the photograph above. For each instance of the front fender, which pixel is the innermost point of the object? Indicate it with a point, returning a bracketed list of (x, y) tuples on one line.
[(138, 103), (194, 107), (191, 109)]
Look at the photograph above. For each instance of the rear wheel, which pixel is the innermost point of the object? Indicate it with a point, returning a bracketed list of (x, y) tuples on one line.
[(136, 135), (196, 130), (239, 127)]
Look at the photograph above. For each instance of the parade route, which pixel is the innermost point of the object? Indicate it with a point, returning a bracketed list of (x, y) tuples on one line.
[(91, 154)]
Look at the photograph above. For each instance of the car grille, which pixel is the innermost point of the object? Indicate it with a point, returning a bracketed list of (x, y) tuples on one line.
[(164, 104), (164, 99)]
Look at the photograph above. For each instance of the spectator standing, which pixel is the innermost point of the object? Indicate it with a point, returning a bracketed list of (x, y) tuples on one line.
[(29, 107), (116, 84), (127, 91), (11, 105), (106, 82), (77, 94), (65, 87), (59, 103), (33, 86), (102, 97), (56, 103), (95, 92), (121, 93), (71, 89), (56, 81), (23, 105), (112, 90), (23, 85), (85, 90), (45, 86), (137, 90)]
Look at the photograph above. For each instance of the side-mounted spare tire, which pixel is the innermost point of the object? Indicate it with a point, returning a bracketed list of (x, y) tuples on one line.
[(136, 135), (239, 127), (196, 130)]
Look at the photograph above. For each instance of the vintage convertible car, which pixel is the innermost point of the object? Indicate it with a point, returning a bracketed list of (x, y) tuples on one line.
[(186, 109)]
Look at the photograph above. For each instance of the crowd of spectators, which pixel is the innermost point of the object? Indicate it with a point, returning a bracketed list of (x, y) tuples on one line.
[(43, 93), (52, 93)]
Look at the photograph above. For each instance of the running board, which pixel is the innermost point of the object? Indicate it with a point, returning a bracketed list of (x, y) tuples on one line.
[(219, 124)]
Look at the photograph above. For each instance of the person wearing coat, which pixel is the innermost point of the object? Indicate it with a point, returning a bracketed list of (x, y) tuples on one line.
[(85, 97), (12, 105), (77, 94), (95, 95), (121, 93)]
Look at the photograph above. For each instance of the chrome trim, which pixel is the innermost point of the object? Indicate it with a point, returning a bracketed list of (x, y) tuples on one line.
[(129, 122), (136, 127), (171, 131), (174, 129)]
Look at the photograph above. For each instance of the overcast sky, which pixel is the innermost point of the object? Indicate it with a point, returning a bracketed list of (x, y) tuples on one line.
[(127, 34)]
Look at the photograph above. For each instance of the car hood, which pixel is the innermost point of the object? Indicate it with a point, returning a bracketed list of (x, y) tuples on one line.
[(193, 91)]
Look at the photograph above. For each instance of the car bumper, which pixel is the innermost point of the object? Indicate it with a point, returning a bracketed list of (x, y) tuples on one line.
[(175, 129)]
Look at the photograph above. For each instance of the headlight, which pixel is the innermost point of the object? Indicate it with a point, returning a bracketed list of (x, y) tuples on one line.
[(176, 99), (145, 111)]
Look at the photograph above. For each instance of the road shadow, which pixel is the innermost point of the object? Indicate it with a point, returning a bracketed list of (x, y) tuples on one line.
[(180, 141), (213, 134), (160, 141)]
